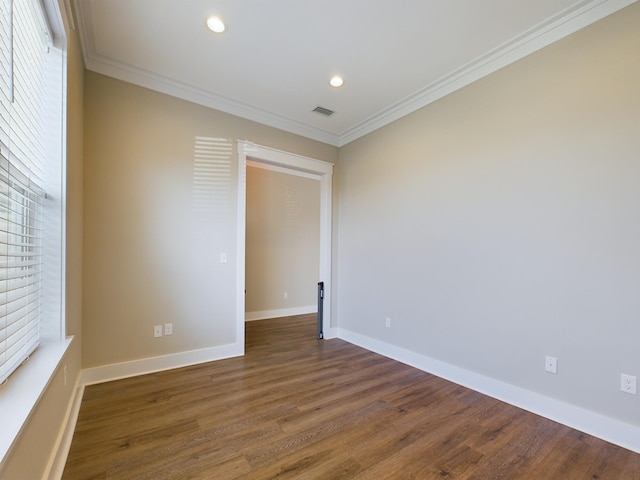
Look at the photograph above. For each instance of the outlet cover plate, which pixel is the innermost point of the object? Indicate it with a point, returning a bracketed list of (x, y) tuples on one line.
[(551, 364), (628, 383)]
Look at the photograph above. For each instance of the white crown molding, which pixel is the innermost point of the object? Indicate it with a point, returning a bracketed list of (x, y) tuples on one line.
[(99, 64), (580, 15), (592, 423), (571, 20), (208, 99)]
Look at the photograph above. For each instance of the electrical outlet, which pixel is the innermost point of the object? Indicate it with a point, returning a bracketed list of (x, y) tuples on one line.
[(551, 364), (157, 331), (628, 383), (387, 322), (168, 328)]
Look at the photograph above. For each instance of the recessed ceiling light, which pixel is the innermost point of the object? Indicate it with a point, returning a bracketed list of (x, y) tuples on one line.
[(336, 81), (216, 25)]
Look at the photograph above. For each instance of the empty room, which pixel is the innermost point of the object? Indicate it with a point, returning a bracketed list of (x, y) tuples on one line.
[(319, 239)]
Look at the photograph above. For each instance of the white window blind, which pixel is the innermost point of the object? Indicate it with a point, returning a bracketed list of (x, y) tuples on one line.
[(23, 50)]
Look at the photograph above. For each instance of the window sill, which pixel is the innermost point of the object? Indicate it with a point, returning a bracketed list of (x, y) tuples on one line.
[(23, 389)]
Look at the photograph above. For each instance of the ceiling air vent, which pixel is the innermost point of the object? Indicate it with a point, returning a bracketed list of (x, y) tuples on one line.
[(323, 111)]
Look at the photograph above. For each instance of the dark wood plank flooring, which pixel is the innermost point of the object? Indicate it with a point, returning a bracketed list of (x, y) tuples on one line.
[(297, 408)]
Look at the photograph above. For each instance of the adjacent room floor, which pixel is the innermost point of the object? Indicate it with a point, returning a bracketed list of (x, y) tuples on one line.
[(299, 408)]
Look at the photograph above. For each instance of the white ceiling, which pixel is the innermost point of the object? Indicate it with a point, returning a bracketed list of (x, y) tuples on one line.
[(275, 60)]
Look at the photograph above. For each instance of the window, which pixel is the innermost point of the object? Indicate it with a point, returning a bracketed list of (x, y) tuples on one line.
[(30, 182)]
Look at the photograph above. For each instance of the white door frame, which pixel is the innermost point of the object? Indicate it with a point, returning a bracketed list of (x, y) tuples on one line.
[(293, 164)]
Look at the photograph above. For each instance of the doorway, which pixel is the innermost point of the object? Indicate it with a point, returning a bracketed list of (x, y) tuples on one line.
[(292, 164), (282, 243)]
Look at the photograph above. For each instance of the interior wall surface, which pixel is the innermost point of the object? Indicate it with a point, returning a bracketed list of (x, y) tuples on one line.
[(282, 240), (500, 224), (160, 179)]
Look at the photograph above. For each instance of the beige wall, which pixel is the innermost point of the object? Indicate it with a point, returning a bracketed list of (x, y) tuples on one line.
[(33, 450), (282, 240), (502, 223), (152, 235)]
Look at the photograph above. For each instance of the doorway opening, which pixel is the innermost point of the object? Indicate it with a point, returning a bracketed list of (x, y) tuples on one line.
[(282, 243), (250, 154)]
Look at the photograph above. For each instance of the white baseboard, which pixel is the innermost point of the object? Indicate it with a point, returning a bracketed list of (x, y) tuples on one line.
[(332, 332), (117, 371), (22, 392), (605, 428), (281, 312), (63, 443), (156, 364)]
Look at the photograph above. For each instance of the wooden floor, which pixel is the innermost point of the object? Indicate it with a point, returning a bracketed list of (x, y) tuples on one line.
[(295, 407)]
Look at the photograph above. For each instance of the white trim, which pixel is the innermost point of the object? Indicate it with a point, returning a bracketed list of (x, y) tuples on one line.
[(193, 94), (143, 366), (55, 468), (574, 18), (241, 228), (557, 27), (289, 163), (286, 171), (286, 160), (605, 428), (138, 76), (23, 390), (280, 312)]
